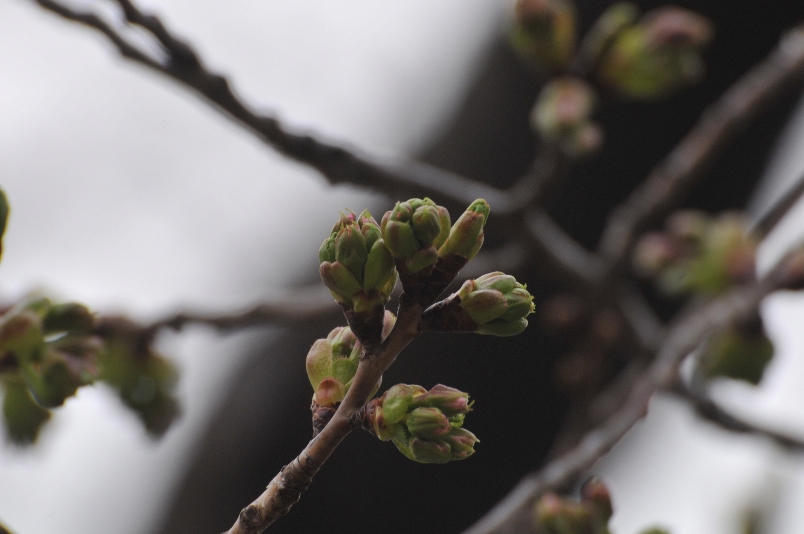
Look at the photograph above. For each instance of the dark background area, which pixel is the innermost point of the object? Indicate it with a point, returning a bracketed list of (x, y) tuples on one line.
[(368, 486)]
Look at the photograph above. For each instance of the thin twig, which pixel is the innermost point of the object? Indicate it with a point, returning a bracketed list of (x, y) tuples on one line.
[(718, 125), (304, 307), (562, 254), (398, 177), (286, 487), (712, 412), (513, 513), (768, 220)]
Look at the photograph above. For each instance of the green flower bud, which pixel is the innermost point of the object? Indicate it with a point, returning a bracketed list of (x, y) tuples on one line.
[(69, 317), (395, 403), (58, 377), (497, 303), (445, 224), (368, 228), (350, 248), (740, 353), (555, 515), (21, 334), (466, 235), (563, 114), (379, 268), (597, 495), (658, 55), (414, 420), (340, 282), (545, 32), (426, 451), (449, 400), (411, 231), (23, 417), (359, 271), (427, 423), (699, 253)]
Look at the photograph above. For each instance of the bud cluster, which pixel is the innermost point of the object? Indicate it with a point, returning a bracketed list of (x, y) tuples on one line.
[(590, 515), (562, 114), (741, 352), (655, 56), (47, 352), (426, 426), (698, 253), (414, 231), (356, 265), (143, 379), (493, 304), (545, 32)]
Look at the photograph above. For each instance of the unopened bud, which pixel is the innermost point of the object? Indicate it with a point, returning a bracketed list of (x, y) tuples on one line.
[(498, 303), (658, 55), (21, 333), (412, 231), (740, 353), (413, 419), (563, 114), (69, 317), (23, 417), (545, 32), (597, 494), (466, 235)]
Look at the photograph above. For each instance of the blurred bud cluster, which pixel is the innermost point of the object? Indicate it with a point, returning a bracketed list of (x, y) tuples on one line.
[(643, 58), (589, 515), (698, 253), (48, 351)]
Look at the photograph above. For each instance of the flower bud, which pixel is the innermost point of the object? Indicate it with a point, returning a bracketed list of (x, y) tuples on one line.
[(497, 303), (23, 417), (545, 32), (742, 353), (466, 235), (563, 114), (658, 55), (699, 253), (597, 495), (427, 423), (21, 334), (58, 377), (69, 317), (413, 419), (555, 515), (449, 400), (411, 231), (359, 271)]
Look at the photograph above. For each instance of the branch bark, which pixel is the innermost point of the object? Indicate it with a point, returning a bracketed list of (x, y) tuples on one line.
[(514, 512), (686, 163)]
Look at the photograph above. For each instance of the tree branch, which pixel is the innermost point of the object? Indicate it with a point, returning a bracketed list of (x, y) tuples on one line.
[(513, 514), (305, 306), (286, 487), (768, 220), (718, 125), (399, 177), (714, 413)]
